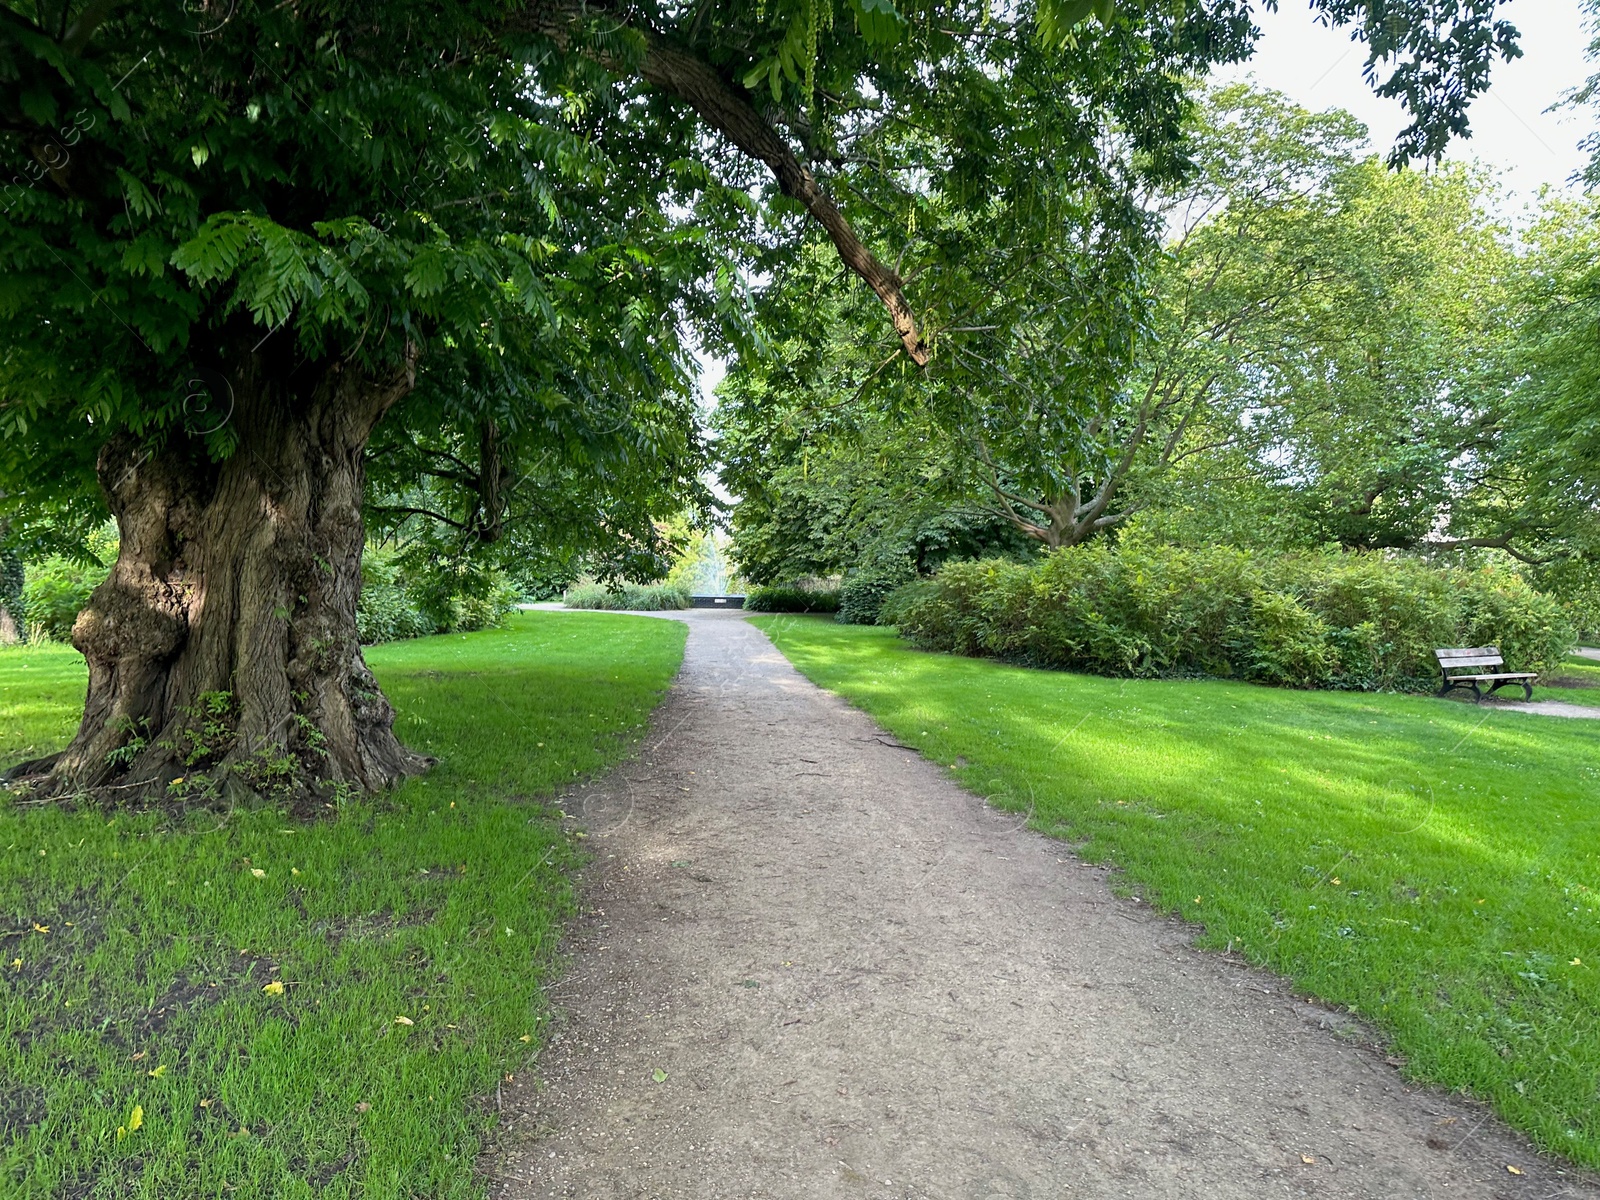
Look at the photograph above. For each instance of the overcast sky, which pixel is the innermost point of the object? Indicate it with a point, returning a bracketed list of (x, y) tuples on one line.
[(1321, 68)]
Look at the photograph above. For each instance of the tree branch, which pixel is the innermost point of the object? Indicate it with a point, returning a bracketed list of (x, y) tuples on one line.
[(680, 72), (90, 19), (1501, 542)]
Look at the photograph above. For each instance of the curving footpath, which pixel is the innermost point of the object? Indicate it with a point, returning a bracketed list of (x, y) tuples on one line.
[(812, 966)]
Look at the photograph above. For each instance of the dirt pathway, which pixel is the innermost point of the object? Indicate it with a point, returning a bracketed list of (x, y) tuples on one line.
[(816, 968)]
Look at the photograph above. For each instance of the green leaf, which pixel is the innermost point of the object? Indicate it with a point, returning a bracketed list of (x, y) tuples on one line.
[(214, 251), (1058, 18), (38, 105), (878, 21)]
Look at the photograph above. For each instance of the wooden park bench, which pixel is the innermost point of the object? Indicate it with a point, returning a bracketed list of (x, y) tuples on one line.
[(1480, 656)]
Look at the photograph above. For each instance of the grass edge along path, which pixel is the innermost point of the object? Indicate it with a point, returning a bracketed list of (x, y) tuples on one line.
[(241, 1004), (1430, 866)]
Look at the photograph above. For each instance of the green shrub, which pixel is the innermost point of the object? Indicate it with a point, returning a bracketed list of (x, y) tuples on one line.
[(387, 611), (627, 597), (56, 591), (790, 599), (403, 599), (482, 609), (1283, 641), (864, 590), (1355, 621)]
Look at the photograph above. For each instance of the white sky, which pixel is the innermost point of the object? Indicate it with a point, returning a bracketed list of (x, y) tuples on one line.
[(1320, 68)]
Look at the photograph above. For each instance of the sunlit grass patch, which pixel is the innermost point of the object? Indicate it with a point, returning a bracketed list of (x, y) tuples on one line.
[(242, 1004), (1433, 866), (1577, 681)]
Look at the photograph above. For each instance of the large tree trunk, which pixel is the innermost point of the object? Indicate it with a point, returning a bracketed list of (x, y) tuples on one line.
[(222, 648)]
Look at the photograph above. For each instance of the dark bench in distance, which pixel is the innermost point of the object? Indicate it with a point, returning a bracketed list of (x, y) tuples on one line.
[(1480, 656)]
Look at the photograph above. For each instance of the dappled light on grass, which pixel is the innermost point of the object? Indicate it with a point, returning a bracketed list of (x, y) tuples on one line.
[(1433, 866), (302, 1009)]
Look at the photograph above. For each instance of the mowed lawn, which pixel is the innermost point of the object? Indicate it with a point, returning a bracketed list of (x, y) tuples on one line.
[(1430, 865), (240, 1004), (1577, 681)]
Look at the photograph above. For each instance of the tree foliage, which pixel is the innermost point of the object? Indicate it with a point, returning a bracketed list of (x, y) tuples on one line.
[(1329, 352), (242, 242)]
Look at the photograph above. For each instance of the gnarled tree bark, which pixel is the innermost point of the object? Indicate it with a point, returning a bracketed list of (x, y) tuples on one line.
[(222, 648)]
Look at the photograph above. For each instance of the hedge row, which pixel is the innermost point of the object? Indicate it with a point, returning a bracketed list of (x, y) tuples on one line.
[(783, 598), (634, 597), (1332, 620)]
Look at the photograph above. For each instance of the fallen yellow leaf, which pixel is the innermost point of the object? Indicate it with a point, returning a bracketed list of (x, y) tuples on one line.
[(404, 1021), (16, 964), (1513, 1170), (527, 1037), (294, 870), (205, 1104), (1309, 1160), (1577, 962), (38, 928), (136, 1119), (1335, 881), (275, 988), (258, 872), (158, 1072)]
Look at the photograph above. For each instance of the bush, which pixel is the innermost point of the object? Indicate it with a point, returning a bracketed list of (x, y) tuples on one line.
[(387, 611), (866, 588), (1355, 621), (401, 599), (792, 599), (634, 597), (56, 591)]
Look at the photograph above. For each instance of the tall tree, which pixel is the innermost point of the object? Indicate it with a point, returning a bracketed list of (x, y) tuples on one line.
[(237, 238), (1323, 358)]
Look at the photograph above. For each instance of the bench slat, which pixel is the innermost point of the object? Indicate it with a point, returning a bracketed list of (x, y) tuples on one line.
[(1465, 652), (1488, 660)]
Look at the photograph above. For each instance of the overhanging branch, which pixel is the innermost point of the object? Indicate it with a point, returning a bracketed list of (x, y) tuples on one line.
[(680, 72)]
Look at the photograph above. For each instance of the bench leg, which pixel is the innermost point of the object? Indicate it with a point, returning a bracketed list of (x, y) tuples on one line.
[(1477, 693), (1527, 690)]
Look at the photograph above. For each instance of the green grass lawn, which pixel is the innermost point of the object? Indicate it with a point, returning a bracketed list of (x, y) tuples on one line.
[(1577, 681), (238, 1004), (1433, 866)]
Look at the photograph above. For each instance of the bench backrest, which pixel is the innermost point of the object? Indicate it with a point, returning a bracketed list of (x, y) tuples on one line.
[(1469, 656)]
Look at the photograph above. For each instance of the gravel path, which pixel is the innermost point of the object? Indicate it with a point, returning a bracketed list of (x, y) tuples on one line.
[(813, 967)]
